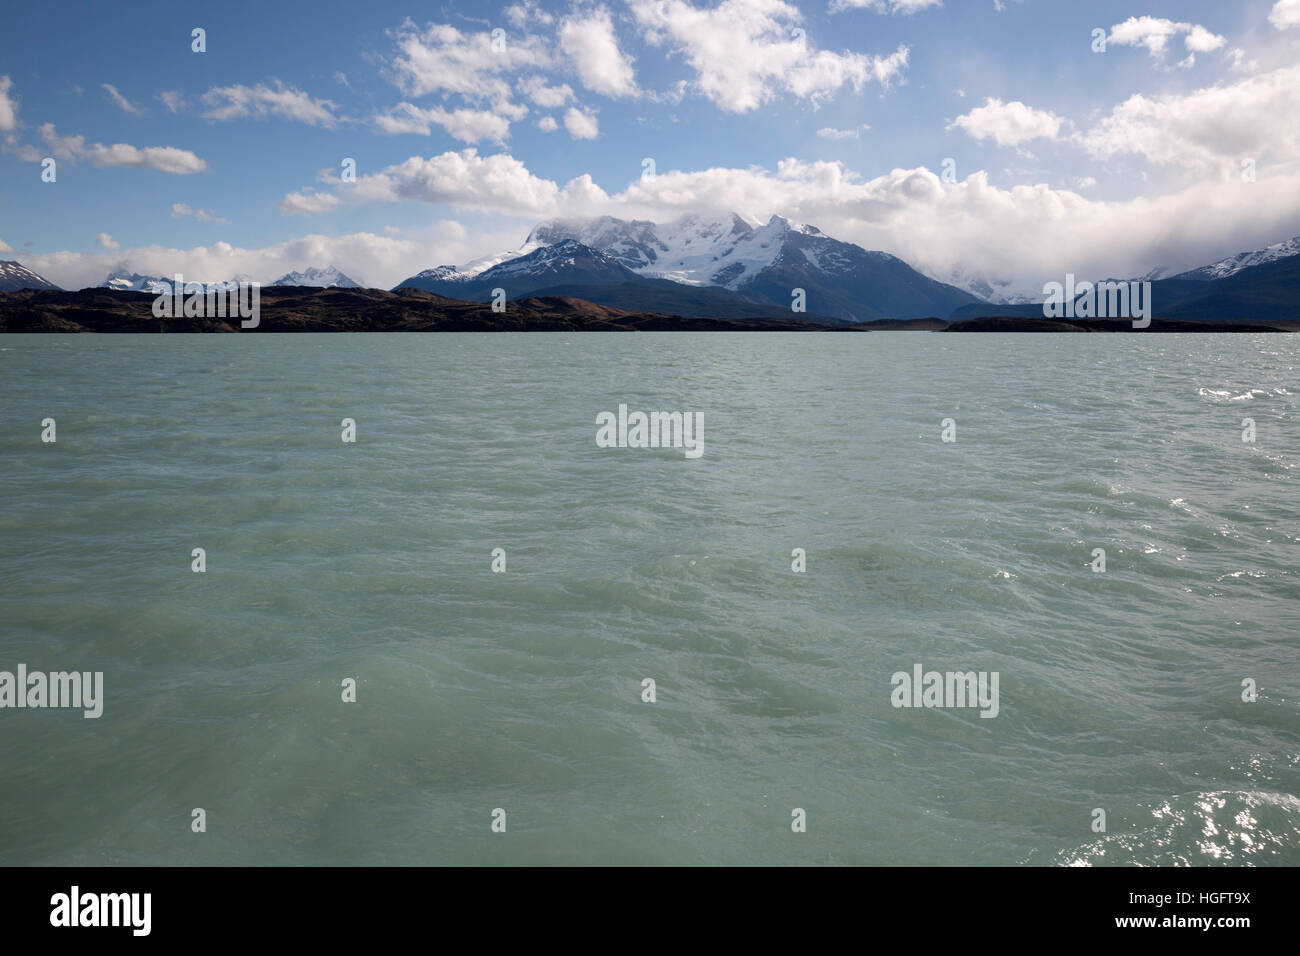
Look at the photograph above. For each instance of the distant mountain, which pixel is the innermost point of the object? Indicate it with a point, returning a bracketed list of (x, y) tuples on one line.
[(124, 281), (567, 261), (121, 280), (314, 278), (1225, 268), (1225, 291), (14, 276), (572, 269), (766, 263), (729, 262)]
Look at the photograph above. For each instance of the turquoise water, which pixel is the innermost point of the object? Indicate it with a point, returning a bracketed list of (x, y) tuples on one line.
[(522, 690)]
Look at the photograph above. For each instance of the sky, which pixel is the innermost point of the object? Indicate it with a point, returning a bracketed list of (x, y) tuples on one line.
[(1009, 139)]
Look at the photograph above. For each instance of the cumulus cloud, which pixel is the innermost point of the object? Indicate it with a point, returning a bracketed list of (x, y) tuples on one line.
[(588, 40), (166, 159), (1285, 14), (1008, 124), (466, 180), (173, 100), (307, 204), (1210, 130), (885, 6), (529, 11), (442, 59), (581, 125), (380, 259), (182, 211), (1153, 35), (5, 247), (107, 242), (547, 97), (744, 52), (262, 101), (121, 102), (830, 132), (547, 124), (466, 125), (8, 106)]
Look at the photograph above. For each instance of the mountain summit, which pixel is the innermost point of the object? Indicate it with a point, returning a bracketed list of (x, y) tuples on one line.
[(759, 264), (15, 276), (314, 278)]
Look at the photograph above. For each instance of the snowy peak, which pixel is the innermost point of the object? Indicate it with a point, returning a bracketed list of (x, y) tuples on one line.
[(761, 262), (1244, 260), (443, 274), (15, 276), (700, 250), (123, 281), (314, 278), (567, 257)]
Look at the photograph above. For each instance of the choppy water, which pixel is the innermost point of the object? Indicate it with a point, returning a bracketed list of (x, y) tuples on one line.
[(1118, 690)]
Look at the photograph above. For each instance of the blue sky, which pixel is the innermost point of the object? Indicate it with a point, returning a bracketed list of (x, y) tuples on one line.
[(1062, 158)]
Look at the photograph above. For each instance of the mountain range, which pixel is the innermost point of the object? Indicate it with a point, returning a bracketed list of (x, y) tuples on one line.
[(123, 281), (698, 266), (731, 267)]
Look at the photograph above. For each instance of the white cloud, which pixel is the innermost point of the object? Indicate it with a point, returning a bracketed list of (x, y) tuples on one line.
[(442, 59), (1210, 130), (8, 106), (588, 40), (887, 6), (521, 14), (547, 97), (173, 100), (498, 183), (166, 159), (547, 124), (581, 125), (121, 102), (1201, 40), (182, 211), (1239, 63), (830, 132), (379, 259), (107, 242), (307, 204), (1285, 14), (1008, 124), (743, 52), (5, 247), (1153, 35), (466, 125), (262, 101)]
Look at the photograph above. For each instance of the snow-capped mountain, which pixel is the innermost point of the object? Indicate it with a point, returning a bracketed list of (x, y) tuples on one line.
[(330, 278), (1244, 260), (124, 281), (565, 262), (726, 251), (15, 276), (766, 262), (762, 263)]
